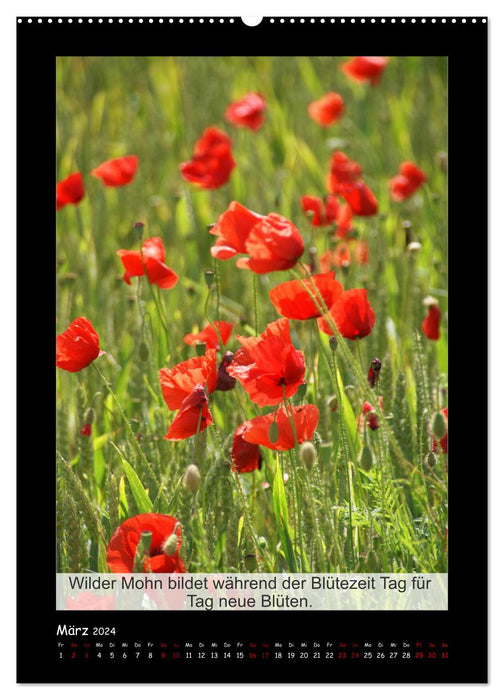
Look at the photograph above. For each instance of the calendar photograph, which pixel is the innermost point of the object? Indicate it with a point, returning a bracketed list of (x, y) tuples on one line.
[(249, 276), (251, 306)]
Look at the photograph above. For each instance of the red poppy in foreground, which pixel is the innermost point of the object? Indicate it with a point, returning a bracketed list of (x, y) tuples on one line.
[(352, 314), (117, 172), (269, 367), (294, 301), (246, 456), (248, 112), (150, 260), (70, 190), (209, 335), (321, 213), (408, 181), (327, 109), (305, 419), (431, 323), (193, 414), (345, 179), (178, 383), (90, 601), (163, 557), (365, 69), (78, 346), (272, 241), (212, 161)]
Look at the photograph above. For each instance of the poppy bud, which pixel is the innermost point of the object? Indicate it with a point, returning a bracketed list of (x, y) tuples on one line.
[(439, 425), (301, 392), (374, 372), (372, 561), (262, 542), (200, 349), (431, 460), (308, 454), (333, 343), (332, 403), (273, 433), (170, 545), (139, 228), (90, 416), (143, 352), (192, 478), (209, 278), (366, 459), (250, 562), (313, 259)]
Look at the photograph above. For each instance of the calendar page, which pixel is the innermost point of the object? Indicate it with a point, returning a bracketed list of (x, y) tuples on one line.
[(266, 264)]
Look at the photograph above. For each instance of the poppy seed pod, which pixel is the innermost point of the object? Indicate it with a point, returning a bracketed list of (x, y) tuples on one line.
[(273, 432), (333, 343), (170, 545), (209, 278), (90, 416), (200, 348), (366, 459), (308, 454), (192, 478), (439, 425)]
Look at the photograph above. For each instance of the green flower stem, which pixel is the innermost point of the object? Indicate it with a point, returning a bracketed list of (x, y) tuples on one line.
[(256, 306), (129, 429)]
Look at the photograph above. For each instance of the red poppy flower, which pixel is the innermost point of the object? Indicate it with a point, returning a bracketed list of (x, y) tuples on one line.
[(443, 442), (342, 170), (360, 198), (209, 335), (249, 111), (408, 181), (368, 413), (246, 456), (273, 242), (90, 601), (322, 213), (365, 69), (70, 190), (78, 346), (86, 430), (123, 544), (350, 251), (327, 110), (151, 259), (117, 172), (352, 314), (193, 412), (269, 365), (305, 419), (177, 383), (430, 324), (292, 300), (212, 161)]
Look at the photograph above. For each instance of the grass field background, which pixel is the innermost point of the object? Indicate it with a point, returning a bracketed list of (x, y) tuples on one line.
[(340, 517)]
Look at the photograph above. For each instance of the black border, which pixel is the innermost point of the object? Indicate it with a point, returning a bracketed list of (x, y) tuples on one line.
[(464, 625)]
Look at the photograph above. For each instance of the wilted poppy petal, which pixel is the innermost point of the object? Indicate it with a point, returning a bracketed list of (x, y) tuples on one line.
[(248, 112), (78, 346), (352, 314), (117, 172), (70, 190), (293, 300), (246, 456), (123, 544)]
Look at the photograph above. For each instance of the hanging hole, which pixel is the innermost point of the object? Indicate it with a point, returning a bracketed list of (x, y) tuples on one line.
[(251, 21)]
